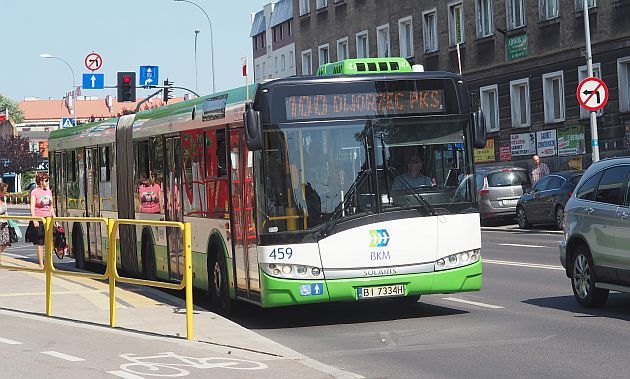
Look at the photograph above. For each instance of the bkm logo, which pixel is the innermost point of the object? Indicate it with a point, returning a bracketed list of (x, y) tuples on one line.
[(380, 238)]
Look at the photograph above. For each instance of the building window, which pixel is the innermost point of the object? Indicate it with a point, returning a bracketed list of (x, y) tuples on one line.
[(579, 4), (283, 62), (275, 63), (322, 4), (263, 72), (291, 58), (342, 49), (363, 45), (519, 98), (489, 98), (307, 63), (456, 23), (553, 96), (623, 77), (583, 74), (382, 41), (549, 9), (324, 55), (429, 29), (304, 7), (257, 73), (405, 36), (515, 14), (484, 18), (289, 28)]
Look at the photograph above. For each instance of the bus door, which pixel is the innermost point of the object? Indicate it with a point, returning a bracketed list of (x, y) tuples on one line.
[(93, 208), (173, 203), (243, 227)]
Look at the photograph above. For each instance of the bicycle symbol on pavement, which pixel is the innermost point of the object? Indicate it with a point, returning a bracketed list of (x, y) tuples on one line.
[(172, 365)]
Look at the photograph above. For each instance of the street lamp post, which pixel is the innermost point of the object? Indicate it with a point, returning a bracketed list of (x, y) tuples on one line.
[(211, 37), (74, 98), (196, 80)]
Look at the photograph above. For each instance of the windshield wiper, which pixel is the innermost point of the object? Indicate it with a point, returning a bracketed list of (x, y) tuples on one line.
[(338, 212), (409, 188)]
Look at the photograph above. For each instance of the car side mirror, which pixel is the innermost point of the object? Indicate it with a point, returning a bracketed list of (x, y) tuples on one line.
[(253, 128), (479, 129)]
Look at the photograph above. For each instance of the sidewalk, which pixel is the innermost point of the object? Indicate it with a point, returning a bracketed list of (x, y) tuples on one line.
[(149, 311)]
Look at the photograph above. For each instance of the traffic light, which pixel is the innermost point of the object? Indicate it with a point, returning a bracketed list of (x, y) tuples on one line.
[(167, 91), (126, 86)]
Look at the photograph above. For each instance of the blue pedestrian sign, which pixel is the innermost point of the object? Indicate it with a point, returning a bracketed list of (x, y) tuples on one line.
[(67, 122), (93, 81), (148, 76)]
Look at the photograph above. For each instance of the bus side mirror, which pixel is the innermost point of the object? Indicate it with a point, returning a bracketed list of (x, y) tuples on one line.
[(479, 129), (253, 129)]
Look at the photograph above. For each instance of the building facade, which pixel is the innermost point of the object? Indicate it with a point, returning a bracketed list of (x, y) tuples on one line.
[(273, 41), (522, 61)]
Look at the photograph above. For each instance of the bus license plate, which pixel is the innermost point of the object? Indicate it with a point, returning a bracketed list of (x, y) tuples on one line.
[(381, 291)]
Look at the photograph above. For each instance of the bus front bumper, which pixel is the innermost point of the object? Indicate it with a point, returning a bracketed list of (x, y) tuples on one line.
[(277, 292)]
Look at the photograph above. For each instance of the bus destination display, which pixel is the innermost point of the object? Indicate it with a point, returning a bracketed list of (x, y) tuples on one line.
[(364, 104)]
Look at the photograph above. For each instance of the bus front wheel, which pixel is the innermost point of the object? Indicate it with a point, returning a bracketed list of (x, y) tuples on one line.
[(218, 284)]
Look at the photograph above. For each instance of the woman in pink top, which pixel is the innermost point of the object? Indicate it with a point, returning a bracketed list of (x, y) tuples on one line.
[(149, 194), (41, 206)]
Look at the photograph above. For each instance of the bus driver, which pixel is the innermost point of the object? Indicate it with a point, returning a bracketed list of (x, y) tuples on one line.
[(413, 177)]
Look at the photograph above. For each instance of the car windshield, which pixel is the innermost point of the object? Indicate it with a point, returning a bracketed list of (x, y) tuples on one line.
[(314, 174), (508, 178)]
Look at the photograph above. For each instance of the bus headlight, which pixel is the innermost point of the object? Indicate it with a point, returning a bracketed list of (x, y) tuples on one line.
[(292, 271), (458, 260)]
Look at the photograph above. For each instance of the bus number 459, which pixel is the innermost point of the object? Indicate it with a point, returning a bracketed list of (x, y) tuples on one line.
[(281, 253)]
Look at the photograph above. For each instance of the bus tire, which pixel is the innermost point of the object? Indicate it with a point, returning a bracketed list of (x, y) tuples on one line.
[(147, 254), (218, 291), (78, 249)]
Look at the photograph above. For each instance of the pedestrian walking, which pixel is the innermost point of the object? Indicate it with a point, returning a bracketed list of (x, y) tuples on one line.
[(538, 171), (5, 240), (41, 206)]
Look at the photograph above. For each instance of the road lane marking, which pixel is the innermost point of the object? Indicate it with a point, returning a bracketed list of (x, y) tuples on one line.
[(472, 303), (9, 342), (63, 356), (522, 264), (14, 255), (520, 245), (125, 374)]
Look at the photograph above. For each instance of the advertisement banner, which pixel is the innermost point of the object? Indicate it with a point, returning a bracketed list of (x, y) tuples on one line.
[(523, 144), (505, 153), (571, 141), (485, 154), (546, 143)]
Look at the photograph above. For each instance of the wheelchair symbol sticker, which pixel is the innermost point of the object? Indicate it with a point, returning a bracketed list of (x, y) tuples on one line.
[(305, 290)]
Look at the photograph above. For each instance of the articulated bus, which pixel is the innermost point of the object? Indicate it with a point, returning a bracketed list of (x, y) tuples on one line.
[(345, 187)]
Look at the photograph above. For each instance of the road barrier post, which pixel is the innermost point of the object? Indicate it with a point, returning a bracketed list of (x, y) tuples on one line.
[(48, 261), (111, 270), (188, 278)]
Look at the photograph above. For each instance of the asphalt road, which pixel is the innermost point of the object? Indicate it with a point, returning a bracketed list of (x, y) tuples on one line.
[(523, 323)]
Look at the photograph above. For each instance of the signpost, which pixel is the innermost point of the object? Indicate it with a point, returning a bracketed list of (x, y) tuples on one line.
[(93, 61), (517, 47), (149, 76), (93, 81), (592, 94)]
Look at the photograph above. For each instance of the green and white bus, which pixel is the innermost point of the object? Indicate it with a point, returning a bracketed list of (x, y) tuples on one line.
[(318, 189)]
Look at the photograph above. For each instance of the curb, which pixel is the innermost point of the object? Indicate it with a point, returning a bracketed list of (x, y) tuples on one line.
[(517, 230)]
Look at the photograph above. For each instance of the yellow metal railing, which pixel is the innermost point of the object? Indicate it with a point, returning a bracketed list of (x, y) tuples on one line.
[(111, 273)]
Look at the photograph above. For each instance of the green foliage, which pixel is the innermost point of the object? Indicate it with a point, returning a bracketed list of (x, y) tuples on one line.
[(15, 113), (28, 177)]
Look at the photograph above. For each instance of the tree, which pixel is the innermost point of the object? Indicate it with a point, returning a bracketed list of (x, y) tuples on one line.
[(15, 113), (15, 155)]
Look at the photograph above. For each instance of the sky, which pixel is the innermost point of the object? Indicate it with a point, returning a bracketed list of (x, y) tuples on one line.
[(127, 34)]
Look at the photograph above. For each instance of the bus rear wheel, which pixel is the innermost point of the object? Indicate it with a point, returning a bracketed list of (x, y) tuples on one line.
[(220, 302), (149, 269), (78, 250)]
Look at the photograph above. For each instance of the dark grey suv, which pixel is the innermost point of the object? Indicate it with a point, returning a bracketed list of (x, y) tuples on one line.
[(596, 246), (499, 191)]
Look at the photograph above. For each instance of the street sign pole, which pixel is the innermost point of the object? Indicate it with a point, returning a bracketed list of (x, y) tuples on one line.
[(589, 65)]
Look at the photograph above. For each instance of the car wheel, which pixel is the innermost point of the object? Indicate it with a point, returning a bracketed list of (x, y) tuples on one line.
[(559, 217), (583, 280), (521, 218), (220, 301)]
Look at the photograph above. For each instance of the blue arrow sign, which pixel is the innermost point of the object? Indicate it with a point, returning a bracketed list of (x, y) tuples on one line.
[(93, 81), (148, 76)]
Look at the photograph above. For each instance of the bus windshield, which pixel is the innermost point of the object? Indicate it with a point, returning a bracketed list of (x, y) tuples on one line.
[(322, 172)]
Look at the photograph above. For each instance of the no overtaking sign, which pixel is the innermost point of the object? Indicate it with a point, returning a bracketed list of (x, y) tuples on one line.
[(592, 94)]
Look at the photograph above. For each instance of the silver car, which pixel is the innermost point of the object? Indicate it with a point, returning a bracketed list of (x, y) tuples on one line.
[(499, 191), (596, 247)]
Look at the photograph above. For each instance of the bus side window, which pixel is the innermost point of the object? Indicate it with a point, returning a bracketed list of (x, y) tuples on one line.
[(194, 184), (216, 179)]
